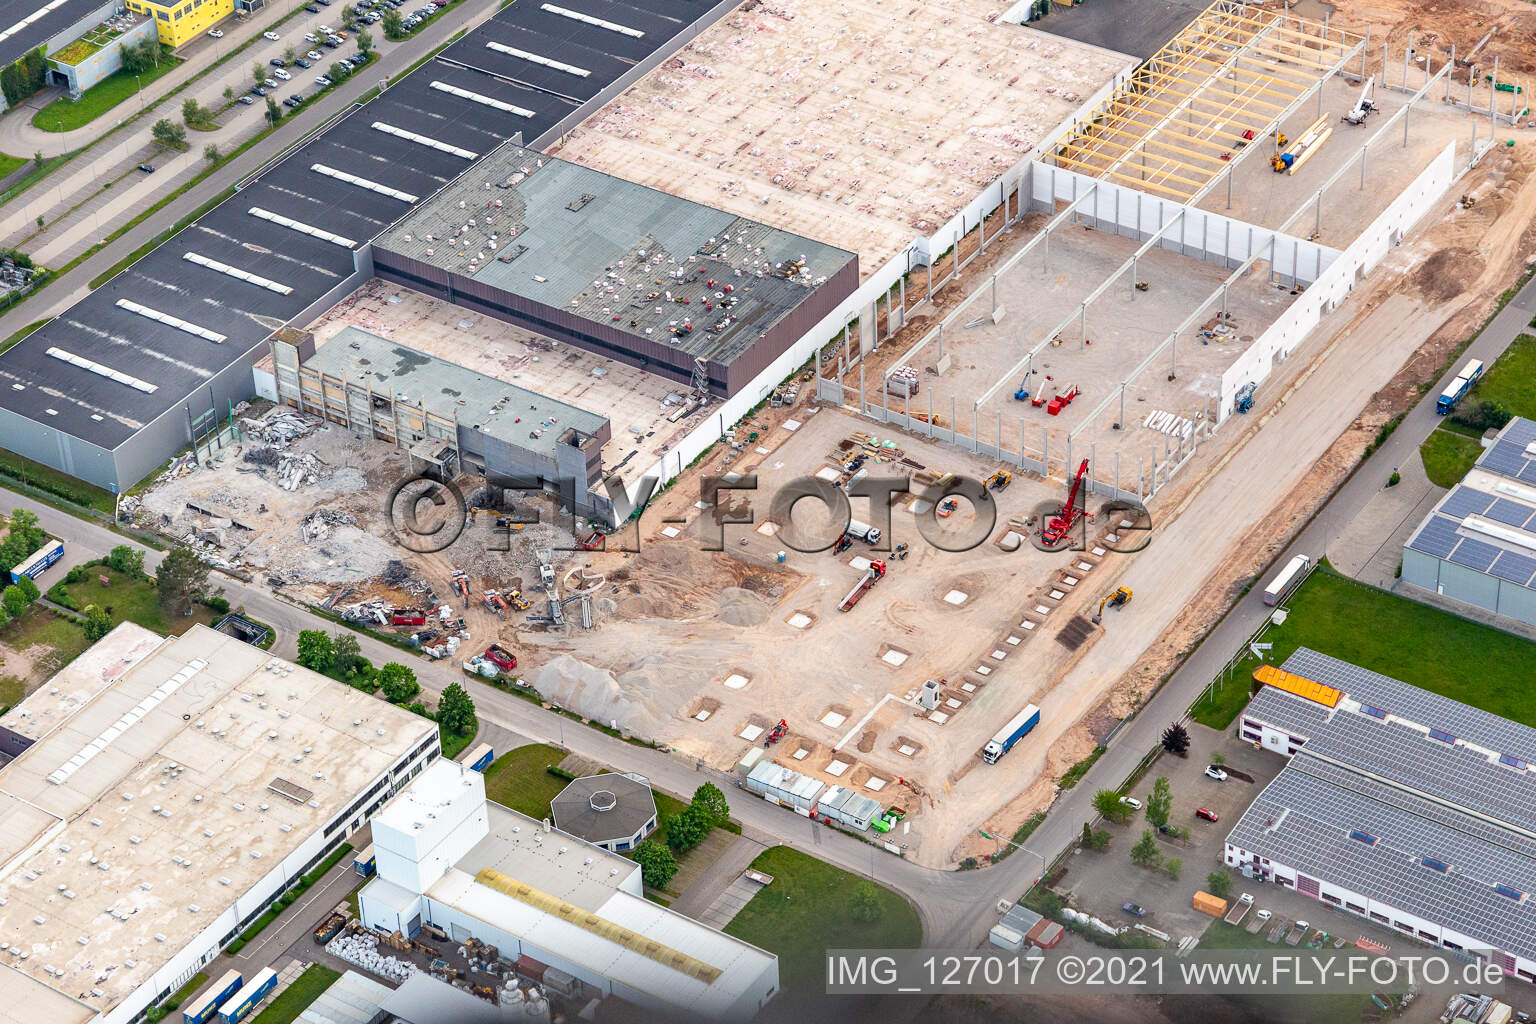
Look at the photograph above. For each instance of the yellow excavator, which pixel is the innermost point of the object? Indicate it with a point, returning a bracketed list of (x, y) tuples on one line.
[(1121, 597), (999, 480)]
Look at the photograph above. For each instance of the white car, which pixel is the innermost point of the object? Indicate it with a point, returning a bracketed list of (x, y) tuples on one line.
[(1213, 772), (325, 30), (281, 75), (1131, 802), (270, 35), (269, 83), (314, 55), (216, 33), (311, 37), (322, 81)]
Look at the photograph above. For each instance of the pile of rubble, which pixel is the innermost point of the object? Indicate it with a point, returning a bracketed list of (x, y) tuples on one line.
[(317, 525), (279, 427), (361, 949)]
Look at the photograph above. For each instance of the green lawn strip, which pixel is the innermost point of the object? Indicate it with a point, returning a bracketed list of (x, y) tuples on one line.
[(39, 625), (1511, 380), (804, 912), (284, 901), (38, 172), (1426, 647), (46, 478), (454, 743), (11, 691), (1447, 456), (9, 165), (295, 999), (517, 779), (65, 115), (13, 339)]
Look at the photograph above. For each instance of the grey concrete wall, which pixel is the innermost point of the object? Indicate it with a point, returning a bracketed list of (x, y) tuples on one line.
[(53, 447)]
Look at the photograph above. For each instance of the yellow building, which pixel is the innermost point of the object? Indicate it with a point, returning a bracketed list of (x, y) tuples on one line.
[(182, 22)]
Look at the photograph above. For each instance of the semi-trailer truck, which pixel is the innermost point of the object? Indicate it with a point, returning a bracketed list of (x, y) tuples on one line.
[(1280, 587), (1016, 729), (1457, 389)]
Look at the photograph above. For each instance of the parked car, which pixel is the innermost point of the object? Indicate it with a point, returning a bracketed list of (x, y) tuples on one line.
[(270, 35), (323, 81), (260, 90), (323, 3), (1207, 814), (310, 37), (216, 33), (332, 43), (293, 101), (1134, 909), (246, 100), (312, 8), (303, 63), (1131, 802), (147, 168), (270, 83), (314, 55), (1216, 773), (278, 62), (282, 76)]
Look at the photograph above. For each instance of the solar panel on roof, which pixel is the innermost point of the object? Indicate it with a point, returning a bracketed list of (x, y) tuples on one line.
[(1506, 456), (1528, 472), (1465, 501), (1513, 567), (1510, 512), (1521, 431), (1436, 537), (1474, 554)]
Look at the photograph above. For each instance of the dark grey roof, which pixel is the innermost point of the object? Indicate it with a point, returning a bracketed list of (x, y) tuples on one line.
[(29, 37), (368, 144), (617, 253), (1367, 799), (635, 806), (494, 406)]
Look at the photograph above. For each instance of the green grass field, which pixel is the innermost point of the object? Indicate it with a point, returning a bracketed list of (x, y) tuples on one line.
[(62, 115), (1447, 455), (295, 999), (10, 164), (805, 912), (1510, 383), (517, 779), (1429, 648), (454, 743), (126, 599)]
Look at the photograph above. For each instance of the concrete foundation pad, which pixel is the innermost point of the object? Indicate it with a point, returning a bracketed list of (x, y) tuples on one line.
[(956, 597), (751, 733)]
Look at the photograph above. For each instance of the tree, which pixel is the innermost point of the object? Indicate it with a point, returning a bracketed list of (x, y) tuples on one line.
[(864, 903), (4, 618), (274, 112), (456, 711), (394, 25), (348, 16), (1174, 866), (687, 828), (181, 579), (1099, 839), (153, 53), (1219, 883), (28, 589), (13, 600), (346, 655), (712, 804), (657, 865), (194, 113), (229, 93), (1218, 758), (259, 72), (288, 54), (1160, 802), (126, 560), (1107, 803), (398, 682), (364, 43), (169, 134), (97, 624), (338, 71), (37, 159), (1176, 739), (316, 650), (1145, 852), (211, 153)]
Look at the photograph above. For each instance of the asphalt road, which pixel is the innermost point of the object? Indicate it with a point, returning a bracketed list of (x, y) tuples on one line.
[(956, 907), (75, 285)]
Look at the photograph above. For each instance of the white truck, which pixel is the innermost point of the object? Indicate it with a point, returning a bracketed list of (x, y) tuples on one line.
[(864, 532)]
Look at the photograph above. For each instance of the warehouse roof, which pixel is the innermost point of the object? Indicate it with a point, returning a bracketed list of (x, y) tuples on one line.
[(518, 416), (1488, 521), (211, 295), (624, 937), (619, 254), (170, 792), (1405, 796), (27, 24)]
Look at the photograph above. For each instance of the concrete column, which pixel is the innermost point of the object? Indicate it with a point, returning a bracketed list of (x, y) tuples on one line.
[(862, 392), (1407, 114), (975, 426), (1117, 475), (1082, 323), (1449, 73), (847, 349), (1364, 49), (1021, 442), (1141, 479), (1045, 250), (1045, 461), (930, 412), (1363, 150), (1122, 405), (930, 279), (952, 422), (941, 340)]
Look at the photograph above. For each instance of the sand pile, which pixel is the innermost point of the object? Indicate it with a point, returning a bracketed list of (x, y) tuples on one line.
[(740, 607), (593, 693)]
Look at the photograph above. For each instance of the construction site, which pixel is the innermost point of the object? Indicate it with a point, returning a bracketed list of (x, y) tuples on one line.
[(1133, 271)]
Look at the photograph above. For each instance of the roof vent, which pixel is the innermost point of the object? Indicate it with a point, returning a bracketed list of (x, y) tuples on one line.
[(602, 801)]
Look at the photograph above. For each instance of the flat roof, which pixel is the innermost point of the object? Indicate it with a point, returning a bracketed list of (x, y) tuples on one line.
[(1395, 775), (447, 389), (623, 255), (860, 123), (160, 787), (423, 999), (588, 877), (633, 806), (410, 140), (1487, 523), (27, 24)]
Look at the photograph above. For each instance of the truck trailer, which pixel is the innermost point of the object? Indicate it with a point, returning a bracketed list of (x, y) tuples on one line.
[(204, 1009), (1281, 586), (863, 531), (1457, 389), (51, 552), (1004, 739), (481, 759), (239, 1005)]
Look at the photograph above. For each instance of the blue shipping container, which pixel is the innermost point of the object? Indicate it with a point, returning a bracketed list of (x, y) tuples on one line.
[(40, 560), (481, 759), (202, 1011), (242, 1002), (365, 863)]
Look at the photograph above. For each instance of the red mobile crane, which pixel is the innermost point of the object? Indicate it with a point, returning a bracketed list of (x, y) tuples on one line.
[(1067, 516)]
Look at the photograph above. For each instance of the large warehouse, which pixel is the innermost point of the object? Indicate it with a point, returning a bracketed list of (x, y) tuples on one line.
[(1399, 805), (448, 857), (1478, 544), (163, 793), (632, 273)]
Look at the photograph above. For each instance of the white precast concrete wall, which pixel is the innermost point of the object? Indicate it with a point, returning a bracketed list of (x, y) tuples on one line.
[(1293, 326), (1203, 235)]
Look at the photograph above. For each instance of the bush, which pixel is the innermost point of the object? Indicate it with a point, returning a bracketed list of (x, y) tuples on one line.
[(864, 903), (234, 947), (657, 865), (218, 604), (125, 560), (1482, 415), (688, 828)]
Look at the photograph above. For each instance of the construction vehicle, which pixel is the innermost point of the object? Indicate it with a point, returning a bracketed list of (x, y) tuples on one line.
[(864, 532), (1022, 391), (1457, 389), (516, 600), (999, 481), (1119, 599), (1290, 160), (1244, 399), (777, 733), (461, 584), (1056, 529), (874, 574), (494, 602), (500, 657), (1364, 106)]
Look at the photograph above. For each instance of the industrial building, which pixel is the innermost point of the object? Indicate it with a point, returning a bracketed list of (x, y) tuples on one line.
[(613, 811), (163, 793), (697, 295), (449, 858), (180, 23), (27, 25), (447, 415), (1398, 805), (1478, 544)]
